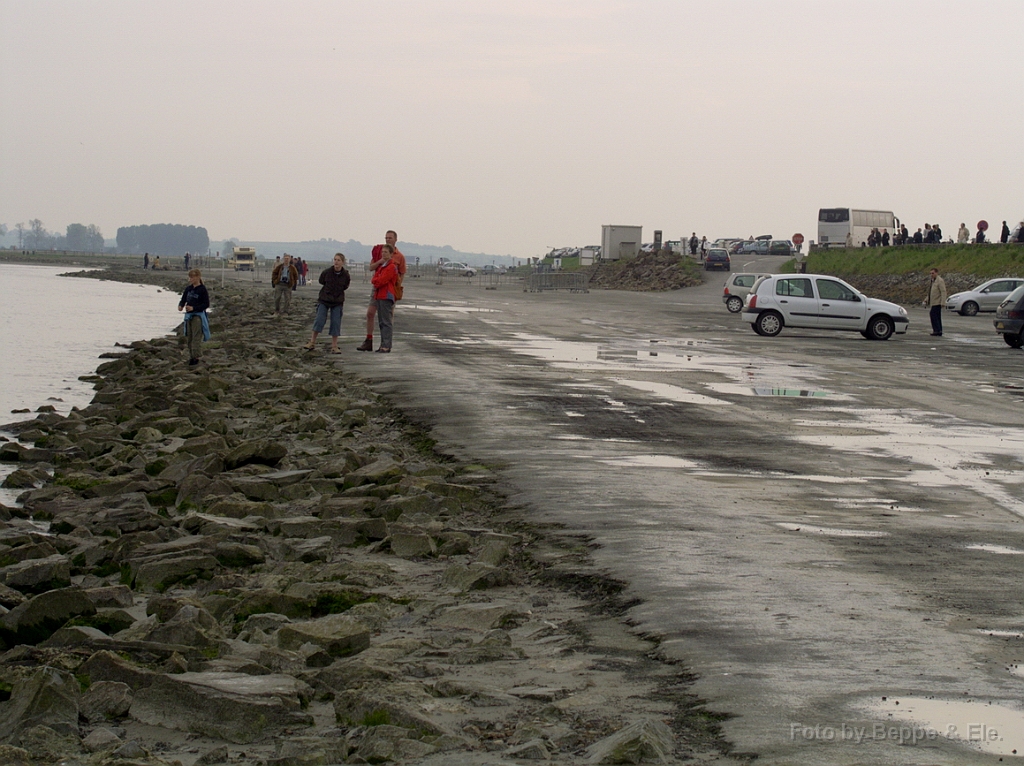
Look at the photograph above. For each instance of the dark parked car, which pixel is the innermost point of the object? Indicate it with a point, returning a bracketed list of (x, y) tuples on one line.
[(1010, 318), (717, 258), (781, 247)]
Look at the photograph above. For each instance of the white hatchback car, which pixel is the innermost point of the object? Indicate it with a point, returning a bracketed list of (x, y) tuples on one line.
[(736, 288), (985, 297), (820, 302)]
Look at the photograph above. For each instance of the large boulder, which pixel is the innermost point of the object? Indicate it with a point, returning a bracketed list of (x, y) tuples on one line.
[(336, 634), (38, 618), (262, 451), (234, 706), (48, 697)]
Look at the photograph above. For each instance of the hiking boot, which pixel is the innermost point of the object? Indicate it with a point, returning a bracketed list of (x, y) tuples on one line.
[(366, 345)]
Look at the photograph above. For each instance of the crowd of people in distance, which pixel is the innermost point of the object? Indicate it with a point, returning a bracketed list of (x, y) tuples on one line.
[(932, 235), (386, 262)]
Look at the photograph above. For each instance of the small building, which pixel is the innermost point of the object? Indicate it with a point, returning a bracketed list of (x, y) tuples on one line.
[(588, 255), (620, 242)]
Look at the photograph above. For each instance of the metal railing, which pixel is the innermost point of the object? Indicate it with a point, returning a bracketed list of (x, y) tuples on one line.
[(573, 281)]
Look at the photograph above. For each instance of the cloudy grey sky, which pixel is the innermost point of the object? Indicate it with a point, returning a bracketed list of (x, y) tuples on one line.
[(508, 128)]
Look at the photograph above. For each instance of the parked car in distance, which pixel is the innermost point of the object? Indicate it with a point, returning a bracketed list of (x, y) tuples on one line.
[(490, 268), (736, 289), (781, 247), (820, 302), (985, 297), (717, 258), (754, 247), (449, 268), (1010, 318)]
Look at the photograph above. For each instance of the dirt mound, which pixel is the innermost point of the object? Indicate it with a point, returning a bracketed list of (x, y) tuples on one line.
[(648, 272)]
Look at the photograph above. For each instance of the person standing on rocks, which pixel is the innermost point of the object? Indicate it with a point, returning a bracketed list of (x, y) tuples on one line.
[(284, 278), (385, 290), (936, 301), (390, 238), (195, 300), (335, 281)]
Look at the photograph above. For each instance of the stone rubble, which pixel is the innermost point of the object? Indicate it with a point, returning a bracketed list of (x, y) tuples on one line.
[(259, 561)]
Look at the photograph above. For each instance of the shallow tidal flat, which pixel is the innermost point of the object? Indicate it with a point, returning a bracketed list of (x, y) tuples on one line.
[(260, 561)]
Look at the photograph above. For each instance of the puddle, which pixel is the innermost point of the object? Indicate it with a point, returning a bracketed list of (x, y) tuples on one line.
[(1004, 634), (1002, 549), (786, 392), (830, 531), (650, 461), (672, 393), (990, 727), (950, 454), (823, 479), (454, 309)]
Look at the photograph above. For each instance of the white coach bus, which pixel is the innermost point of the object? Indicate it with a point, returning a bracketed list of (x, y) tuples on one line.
[(834, 223)]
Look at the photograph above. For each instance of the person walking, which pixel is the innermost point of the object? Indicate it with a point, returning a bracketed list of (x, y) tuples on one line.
[(335, 280), (376, 261), (936, 301), (979, 238), (703, 247), (145, 261), (963, 236), (385, 282), (1004, 236), (284, 278), (693, 243), (195, 300)]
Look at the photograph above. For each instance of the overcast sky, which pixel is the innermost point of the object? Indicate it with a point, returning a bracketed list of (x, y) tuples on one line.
[(508, 128)]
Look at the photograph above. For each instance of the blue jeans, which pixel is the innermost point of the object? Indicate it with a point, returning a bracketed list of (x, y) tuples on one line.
[(321, 319), (385, 319)]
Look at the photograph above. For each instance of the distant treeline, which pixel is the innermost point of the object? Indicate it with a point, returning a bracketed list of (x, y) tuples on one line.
[(79, 237), (162, 239)]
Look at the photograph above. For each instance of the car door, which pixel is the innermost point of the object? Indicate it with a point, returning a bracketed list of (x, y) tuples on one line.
[(839, 307), (795, 299), (996, 293)]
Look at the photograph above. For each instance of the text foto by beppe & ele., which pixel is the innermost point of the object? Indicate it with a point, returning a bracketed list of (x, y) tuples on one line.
[(903, 734)]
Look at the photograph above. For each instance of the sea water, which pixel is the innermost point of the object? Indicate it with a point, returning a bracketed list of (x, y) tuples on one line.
[(53, 329)]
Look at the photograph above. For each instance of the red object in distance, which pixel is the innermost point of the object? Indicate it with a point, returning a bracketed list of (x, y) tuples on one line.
[(798, 239)]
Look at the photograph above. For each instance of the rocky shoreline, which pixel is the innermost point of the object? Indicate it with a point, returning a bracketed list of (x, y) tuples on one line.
[(260, 561)]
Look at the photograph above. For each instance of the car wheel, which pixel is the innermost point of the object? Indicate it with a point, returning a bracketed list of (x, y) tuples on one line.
[(880, 328), (755, 328), (969, 309), (1013, 341), (769, 324), (734, 304)]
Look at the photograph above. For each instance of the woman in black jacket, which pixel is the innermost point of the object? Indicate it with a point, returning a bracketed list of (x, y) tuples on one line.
[(195, 300), (335, 280)]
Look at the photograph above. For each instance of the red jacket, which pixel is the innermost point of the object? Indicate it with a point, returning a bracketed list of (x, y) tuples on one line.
[(384, 280)]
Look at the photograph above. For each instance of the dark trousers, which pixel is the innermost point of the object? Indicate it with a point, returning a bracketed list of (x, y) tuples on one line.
[(936, 316)]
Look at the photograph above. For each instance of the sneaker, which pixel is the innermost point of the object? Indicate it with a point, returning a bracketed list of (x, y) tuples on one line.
[(383, 350), (366, 345)]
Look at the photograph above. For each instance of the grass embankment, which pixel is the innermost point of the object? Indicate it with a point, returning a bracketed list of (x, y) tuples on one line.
[(900, 274), (978, 261)]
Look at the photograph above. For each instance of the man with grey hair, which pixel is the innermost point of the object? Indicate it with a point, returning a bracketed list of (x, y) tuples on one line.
[(284, 278)]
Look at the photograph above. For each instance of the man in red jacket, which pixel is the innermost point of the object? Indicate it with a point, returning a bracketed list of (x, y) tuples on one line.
[(376, 261)]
